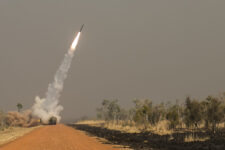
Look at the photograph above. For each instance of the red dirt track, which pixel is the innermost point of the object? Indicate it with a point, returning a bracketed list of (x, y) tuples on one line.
[(58, 137)]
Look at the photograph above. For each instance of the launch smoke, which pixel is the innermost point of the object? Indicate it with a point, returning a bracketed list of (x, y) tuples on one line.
[(48, 107), (23, 119)]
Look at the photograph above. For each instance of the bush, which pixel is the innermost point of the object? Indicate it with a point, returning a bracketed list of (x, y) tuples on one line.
[(193, 113), (173, 116), (3, 124)]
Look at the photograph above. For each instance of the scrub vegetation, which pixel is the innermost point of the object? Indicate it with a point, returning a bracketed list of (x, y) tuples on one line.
[(192, 114), (191, 124)]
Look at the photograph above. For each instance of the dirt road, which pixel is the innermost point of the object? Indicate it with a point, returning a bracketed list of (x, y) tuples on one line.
[(58, 137)]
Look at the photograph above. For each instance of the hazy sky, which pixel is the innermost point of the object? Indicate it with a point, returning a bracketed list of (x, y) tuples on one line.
[(161, 50)]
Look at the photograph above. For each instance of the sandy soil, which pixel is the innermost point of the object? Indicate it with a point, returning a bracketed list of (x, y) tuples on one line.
[(58, 137)]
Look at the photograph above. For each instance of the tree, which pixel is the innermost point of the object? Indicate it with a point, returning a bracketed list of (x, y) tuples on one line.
[(214, 111), (100, 113), (131, 113), (109, 111), (173, 116), (113, 110), (157, 113), (123, 114), (193, 113), (103, 111), (19, 107), (142, 111)]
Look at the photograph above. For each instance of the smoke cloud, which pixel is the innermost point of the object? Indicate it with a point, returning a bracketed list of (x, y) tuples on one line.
[(45, 108), (24, 119)]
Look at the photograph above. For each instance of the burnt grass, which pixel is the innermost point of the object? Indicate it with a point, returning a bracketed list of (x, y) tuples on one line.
[(148, 140)]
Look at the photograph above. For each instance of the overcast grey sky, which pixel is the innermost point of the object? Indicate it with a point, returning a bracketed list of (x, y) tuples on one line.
[(157, 49)]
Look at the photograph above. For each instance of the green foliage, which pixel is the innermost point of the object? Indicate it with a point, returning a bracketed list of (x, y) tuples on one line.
[(110, 110), (209, 111), (142, 111), (193, 114), (19, 107), (173, 116), (214, 111), (146, 113), (113, 110), (158, 113)]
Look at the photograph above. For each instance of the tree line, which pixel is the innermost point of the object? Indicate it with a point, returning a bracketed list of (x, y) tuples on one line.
[(192, 113)]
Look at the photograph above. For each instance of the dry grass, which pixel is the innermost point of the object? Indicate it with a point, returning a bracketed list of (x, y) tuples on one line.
[(13, 133), (129, 127), (92, 122), (192, 139), (121, 126), (160, 128)]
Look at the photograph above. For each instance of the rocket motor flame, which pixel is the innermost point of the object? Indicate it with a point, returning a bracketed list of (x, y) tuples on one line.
[(75, 42), (48, 107)]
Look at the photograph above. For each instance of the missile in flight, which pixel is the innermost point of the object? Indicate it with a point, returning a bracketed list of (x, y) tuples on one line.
[(75, 41), (81, 28)]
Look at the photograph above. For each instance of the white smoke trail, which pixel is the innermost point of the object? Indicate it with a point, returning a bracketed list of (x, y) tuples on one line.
[(49, 106)]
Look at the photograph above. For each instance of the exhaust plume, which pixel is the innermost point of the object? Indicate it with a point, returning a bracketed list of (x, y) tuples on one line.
[(49, 106)]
